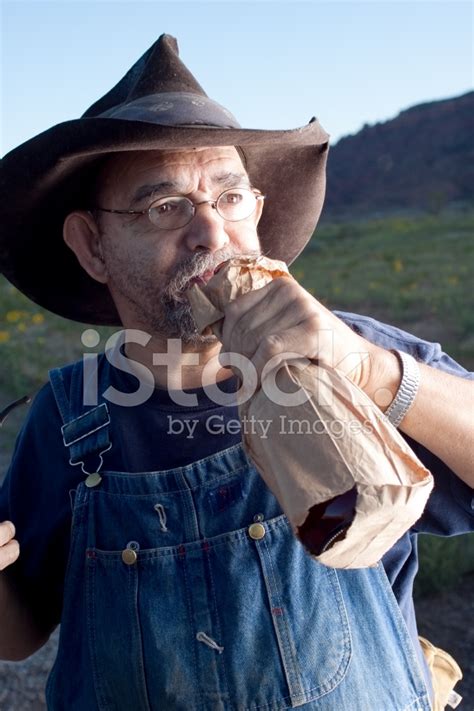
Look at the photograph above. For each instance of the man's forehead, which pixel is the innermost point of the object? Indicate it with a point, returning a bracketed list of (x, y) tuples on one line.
[(180, 157), (129, 168)]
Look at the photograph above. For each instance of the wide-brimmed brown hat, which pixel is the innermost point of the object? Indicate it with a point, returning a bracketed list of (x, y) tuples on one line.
[(157, 105)]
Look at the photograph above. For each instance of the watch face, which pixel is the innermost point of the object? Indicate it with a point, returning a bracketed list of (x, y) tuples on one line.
[(328, 522)]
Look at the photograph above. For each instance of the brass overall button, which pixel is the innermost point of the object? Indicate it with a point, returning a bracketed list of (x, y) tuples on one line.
[(129, 556), (93, 480), (256, 531)]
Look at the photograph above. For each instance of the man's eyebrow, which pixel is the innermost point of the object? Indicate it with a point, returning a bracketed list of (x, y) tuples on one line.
[(166, 187), (170, 187), (231, 179)]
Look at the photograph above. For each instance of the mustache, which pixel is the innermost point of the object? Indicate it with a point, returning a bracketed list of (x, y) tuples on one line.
[(194, 266)]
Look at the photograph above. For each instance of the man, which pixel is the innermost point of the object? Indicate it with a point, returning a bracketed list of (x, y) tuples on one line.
[(178, 582)]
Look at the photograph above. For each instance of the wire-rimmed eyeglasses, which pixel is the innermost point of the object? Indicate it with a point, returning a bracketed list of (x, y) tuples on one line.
[(174, 211)]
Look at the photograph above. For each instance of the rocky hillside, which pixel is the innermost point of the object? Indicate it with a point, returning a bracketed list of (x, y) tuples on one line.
[(422, 159)]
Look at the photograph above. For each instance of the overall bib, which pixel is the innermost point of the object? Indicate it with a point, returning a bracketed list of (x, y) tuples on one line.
[(187, 590)]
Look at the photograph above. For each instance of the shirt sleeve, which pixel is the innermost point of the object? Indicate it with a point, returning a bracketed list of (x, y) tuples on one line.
[(450, 508), (35, 497)]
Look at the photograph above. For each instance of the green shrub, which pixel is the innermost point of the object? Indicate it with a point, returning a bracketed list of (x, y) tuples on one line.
[(443, 561)]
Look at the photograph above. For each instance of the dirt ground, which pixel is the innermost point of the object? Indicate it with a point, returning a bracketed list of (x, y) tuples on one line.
[(445, 619)]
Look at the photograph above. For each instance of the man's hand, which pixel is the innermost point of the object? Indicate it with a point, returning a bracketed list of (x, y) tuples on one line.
[(282, 317), (9, 547)]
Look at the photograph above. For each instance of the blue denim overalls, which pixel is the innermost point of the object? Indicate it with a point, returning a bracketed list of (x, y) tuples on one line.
[(186, 589)]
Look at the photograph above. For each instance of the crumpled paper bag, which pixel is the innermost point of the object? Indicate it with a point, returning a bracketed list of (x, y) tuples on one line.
[(336, 443)]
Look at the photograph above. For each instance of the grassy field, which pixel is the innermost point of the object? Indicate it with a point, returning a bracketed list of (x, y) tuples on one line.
[(414, 272)]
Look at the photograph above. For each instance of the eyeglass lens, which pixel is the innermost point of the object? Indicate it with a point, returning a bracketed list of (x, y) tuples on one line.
[(177, 211)]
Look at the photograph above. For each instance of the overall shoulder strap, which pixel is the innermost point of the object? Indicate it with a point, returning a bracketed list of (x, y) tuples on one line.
[(60, 379), (85, 429)]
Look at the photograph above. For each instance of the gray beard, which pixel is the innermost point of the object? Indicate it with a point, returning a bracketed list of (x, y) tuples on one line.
[(177, 321), (174, 319)]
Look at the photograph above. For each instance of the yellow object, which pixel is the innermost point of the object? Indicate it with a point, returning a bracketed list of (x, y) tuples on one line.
[(445, 673)]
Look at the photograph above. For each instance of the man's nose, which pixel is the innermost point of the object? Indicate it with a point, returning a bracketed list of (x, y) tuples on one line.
[(207, 229)]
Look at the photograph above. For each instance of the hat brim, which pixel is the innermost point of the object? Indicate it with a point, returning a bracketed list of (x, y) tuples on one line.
[(47, 177)]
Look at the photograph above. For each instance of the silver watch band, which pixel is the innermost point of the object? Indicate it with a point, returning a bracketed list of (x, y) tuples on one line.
[(407, 390)]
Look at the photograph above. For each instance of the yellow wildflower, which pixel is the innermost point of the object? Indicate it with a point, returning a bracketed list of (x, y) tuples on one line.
[(4, 336), (14, 315), (37, 318)]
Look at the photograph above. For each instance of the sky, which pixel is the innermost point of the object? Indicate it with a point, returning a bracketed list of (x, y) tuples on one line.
[(273, 64)]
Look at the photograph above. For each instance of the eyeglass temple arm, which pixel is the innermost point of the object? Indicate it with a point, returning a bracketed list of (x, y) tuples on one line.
[(6, 410), (120, 212)]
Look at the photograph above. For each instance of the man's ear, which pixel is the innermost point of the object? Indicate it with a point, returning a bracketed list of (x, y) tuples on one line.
[(82, 235)]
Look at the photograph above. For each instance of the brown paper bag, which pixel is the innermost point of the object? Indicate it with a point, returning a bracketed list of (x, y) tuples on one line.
[(346, 479)]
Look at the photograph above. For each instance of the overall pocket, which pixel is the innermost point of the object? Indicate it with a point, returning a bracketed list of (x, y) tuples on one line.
[(114, 632), (285, 615)]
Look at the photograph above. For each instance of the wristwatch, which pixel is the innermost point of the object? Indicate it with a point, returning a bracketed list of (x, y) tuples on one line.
[(407, 390)]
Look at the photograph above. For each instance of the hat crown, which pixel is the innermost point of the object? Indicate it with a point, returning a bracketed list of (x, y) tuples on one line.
[(159, 70)]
